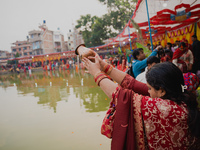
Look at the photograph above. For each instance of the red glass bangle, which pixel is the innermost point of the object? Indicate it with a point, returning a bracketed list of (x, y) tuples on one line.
[(100, 76), (107, 69)]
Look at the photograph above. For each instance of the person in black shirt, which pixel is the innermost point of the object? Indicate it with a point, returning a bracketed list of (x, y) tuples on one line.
[(196, 52)]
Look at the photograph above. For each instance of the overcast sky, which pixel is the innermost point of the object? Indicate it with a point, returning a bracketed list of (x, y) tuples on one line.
[(18, 17)]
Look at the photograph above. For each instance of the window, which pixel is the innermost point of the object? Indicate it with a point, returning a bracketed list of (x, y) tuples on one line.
[(32, 36), (24, 48), (19, 44), (14, 50), (69, 44), (36, 45), (57, 37), (19, 49), (30, 53), (68, 38), (25, 54)]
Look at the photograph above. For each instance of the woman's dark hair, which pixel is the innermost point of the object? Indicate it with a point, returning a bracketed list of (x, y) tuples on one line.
[(170, 44), (136, 52), (169, 52), (169, 77), (182, 44), (121, 58), (161, 53)]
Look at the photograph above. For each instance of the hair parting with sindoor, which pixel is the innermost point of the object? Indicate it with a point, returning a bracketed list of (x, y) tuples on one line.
[(169, 77)]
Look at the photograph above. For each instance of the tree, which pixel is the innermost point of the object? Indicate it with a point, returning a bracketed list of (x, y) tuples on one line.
[(14, 61), (94, 29), (119, 12), (16, 55)]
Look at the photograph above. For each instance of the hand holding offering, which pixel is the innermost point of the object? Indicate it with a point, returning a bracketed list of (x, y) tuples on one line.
[(83, 51)]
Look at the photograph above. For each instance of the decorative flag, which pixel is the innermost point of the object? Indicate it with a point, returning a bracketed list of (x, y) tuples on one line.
[(146, 51), (120, 51)]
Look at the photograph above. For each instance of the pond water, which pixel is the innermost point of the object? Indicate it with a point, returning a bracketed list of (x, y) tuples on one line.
[(52, 111)]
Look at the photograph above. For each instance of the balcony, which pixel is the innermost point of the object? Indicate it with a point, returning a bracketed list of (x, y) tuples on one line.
[(36, 38)]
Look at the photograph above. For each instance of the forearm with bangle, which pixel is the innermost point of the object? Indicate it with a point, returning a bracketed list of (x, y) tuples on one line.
[(105, 83), (115, 74), (106, 70)]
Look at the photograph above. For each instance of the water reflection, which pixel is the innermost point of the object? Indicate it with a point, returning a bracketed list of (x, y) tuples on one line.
[(54, 86)]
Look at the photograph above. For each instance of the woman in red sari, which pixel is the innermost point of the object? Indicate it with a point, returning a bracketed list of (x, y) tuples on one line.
[(167, 119), (183, 57)]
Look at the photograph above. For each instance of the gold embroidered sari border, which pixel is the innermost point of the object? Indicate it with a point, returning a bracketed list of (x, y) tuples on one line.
[(137, 115)]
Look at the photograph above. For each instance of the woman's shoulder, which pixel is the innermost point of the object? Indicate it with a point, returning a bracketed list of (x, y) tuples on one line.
[(163, 105)]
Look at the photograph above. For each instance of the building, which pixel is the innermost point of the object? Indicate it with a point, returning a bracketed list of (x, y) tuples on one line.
[(36, 41), (70, 40), (66, 45), (45, 41), (23, 48), (4, 55), (74, 39), (59, 43)]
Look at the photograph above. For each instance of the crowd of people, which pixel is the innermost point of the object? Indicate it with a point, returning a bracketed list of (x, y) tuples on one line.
[(64, 64), (157, 107), (185, 56)]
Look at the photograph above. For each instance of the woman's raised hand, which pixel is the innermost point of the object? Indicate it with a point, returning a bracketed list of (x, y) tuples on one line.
[(101, 62), (92, 67)]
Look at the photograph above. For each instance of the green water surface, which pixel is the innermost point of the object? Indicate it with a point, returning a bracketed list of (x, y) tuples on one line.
[(52, 111)]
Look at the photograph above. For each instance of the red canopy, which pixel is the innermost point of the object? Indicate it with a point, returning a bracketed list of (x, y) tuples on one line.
[(165, 15)]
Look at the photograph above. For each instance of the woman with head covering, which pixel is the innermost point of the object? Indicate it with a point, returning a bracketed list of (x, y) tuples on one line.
[(161, 114), (183, 57)]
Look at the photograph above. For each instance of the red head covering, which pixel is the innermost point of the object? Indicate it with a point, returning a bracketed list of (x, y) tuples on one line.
[(178, 53), (185, 41)]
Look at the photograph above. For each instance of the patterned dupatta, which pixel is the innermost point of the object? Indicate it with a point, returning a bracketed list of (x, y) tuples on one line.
[(165, 124)]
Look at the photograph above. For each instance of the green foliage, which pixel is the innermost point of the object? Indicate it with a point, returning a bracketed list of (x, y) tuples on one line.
[(145, 49), (12, 62), (128, 52), (92, 29), (95, 29), (119, 12), (17, 55), (9, 62)]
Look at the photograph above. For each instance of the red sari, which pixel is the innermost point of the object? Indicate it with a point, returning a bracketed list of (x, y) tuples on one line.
[(144, 123), (176, 55)]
